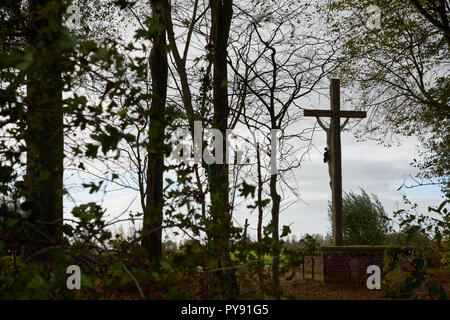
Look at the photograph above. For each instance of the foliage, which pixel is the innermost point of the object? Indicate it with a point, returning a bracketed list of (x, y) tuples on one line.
[(364, 219), (419, 261), (407, 270), (112, 268), (399, 70), (435, 225), (309, 245), (319, 239), (394, 284)]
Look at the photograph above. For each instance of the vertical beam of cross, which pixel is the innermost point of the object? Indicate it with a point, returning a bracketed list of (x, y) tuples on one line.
[(335, 153), (336, 197)]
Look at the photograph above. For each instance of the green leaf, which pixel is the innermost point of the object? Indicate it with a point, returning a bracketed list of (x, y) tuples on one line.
[(68, 230), (286, 231), (262, 203), (247, 189), (93, 187), (6, 174), (91, 150)]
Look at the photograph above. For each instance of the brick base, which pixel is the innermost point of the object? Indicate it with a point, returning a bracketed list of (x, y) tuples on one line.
[(349, 264)]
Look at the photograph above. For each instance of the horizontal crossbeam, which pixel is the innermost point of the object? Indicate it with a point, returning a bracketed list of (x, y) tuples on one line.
[(329, 113)]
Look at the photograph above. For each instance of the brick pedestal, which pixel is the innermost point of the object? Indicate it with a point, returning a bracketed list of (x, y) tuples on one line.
[(349, 264)]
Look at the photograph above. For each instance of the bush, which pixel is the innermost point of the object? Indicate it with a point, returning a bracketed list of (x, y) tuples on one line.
[(409, 269), (364, 220), (445, 255), (395, 285)]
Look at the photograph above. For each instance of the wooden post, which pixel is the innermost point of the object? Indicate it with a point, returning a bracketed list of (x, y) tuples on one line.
[(336, 200), (245, 234)]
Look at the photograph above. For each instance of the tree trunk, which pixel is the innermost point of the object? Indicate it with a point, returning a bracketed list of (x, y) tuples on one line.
[(303, 265), (276, 199), (153, 213), (44, 134), (219, 237), (259, 231)]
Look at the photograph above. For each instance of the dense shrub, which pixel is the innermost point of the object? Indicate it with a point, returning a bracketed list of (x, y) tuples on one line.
[(364, 220), (407, 269), (395, 284)]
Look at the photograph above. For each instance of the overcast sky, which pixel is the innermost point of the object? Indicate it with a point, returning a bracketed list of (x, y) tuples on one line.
[(375, 168)]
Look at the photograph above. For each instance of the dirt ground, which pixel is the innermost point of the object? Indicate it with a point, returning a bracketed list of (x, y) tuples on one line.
[(314, 289)]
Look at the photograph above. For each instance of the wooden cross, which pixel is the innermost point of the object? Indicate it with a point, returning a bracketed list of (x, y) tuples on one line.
[(334, 148)]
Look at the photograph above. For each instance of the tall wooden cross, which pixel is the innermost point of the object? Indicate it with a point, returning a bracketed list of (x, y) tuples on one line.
[(334, 148)]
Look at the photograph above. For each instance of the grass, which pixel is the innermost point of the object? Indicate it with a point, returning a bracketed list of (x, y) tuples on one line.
[(267, 258)]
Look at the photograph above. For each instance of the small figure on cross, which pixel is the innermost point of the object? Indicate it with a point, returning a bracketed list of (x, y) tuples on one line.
[(326, 155)]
